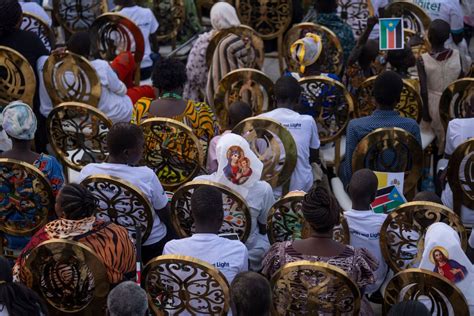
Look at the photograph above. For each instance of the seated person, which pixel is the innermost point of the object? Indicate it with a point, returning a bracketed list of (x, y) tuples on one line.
[(76, 207), (427, 196), (250, 294), (169, 77), (135, 304), (228, 256), (364, 224), (322, 212), (114, 101), (409, 308), (237, 112), (16, 298), (401, 60), (239, 169), (146, 21), (125, 142), (387, 89), (303, 128)]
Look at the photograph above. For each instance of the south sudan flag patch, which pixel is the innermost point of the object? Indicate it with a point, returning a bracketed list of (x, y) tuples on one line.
[(391, 33)]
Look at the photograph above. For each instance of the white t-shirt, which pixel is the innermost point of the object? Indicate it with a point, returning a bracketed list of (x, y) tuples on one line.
[(377, 4), (305, 133), (146, 21), (447, 10), (36, 9), (229, 256), (364, 229), (459, 130), (142, 177)]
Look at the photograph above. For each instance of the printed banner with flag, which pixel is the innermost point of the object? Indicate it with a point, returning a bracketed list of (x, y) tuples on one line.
[(391, 33), (389, 192)]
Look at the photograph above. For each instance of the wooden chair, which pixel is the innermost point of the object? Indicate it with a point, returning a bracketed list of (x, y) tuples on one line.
[(171, 15), (71, 78), (453, 101), (246, 84), (243, 31), (77, 15), (460, 176), (237, 217), (285, 221), (69, 276), (77, 134), (270, 19), (355, 13), (425, 286), (26, 199), (178, 285), (313, 288), (122, 203), (35, 24), (414, 17), (403, 232), (333, 54), (274, 145), (172, 151), (17, 80), (332, 107)]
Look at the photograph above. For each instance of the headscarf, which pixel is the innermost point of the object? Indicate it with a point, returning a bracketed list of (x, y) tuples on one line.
[(5, 142), (306, 50), (443, 242), (19, 121), (223, 16)]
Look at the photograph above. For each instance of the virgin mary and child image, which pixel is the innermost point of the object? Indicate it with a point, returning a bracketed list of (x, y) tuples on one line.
[(238, 169)]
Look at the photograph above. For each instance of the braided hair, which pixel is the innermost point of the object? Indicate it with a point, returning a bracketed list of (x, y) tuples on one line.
[(10, 15), (77, 202), (321, 210)]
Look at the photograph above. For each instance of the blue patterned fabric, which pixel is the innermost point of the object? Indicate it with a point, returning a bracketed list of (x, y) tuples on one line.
[(358, 128)]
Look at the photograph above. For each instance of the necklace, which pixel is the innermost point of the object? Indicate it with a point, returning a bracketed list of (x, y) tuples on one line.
[(171, 95)]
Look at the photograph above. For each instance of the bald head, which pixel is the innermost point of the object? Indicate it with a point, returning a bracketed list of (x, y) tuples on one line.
[(238, 111), (438, 32), (363, 189)]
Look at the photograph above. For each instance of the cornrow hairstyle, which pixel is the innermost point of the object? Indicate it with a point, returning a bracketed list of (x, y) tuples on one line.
[(321, 210), (123, 136), (77, 202), (169, 74), (10, 15)]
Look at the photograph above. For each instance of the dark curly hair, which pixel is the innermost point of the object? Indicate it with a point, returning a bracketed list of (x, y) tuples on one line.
[(10, 15), (169, 74), (321, 210), (77, 202)]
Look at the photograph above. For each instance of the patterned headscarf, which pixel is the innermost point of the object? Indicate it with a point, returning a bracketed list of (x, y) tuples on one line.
[(19, 121), (306, 50), (223, 16)]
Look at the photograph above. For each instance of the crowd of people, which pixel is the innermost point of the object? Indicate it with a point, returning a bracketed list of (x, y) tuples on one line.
[(184, 92)]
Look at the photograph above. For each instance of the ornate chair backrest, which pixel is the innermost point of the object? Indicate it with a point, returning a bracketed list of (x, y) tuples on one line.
[(178, 285), (246, 84), (312, 288), (410, 104), (237, 217), (333, 54), (426, 286), (113, 33), (26, 198), (78, 15), (243, 31), (285, 221), (355, 13), (403, 232), (390, 150), (419, 45), (17, 78), (461, 175), (35, 24), (71, 78), (68, 275), (331, 105), (414, 17), (269, 18), (172, 151), (77, 133), (122, 203), (273, 144), (171, 14), (453, 102)]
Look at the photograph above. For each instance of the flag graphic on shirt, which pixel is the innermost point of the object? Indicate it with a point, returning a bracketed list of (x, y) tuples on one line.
[(391, 33), (388, 199)]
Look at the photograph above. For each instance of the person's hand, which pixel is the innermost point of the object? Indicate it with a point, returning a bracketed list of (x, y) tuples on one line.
[(59, 51), (371, 21)]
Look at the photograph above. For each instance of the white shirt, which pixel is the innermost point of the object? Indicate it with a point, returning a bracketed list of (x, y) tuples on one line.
[(305, 133), (146, 21), (364, 229), (459, 130), (228, 256), (446, 10), (3, 310), (36, 9), (142, 177)]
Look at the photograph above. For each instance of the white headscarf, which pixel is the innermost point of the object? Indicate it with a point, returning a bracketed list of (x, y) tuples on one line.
[(223, 16), (443, 243)]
